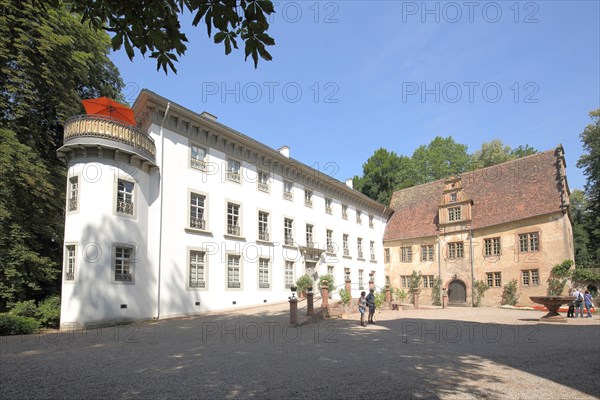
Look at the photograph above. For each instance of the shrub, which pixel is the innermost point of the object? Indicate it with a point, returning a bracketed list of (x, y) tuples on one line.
[(330, 282), (509, 294), (415, 281), (24, 309), (480, 288), (15, 325), (48, 312), (435, 292), (400, 295), (345, 297), (379, 299), (562, 269), (556, 286), (303, 283)]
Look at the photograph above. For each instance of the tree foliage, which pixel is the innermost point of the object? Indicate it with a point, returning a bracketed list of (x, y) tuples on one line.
[(441, 158), (590, 163), (49, 61), (154, 28)]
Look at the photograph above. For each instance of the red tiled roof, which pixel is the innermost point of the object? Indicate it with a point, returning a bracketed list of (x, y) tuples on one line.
[(514, 190)]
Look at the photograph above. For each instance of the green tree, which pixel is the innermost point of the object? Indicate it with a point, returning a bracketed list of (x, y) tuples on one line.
[(155, 27), (383, 173), (441, 158), (522, 151), (581, 237), (491, 153), (590, 163), (49, 61)]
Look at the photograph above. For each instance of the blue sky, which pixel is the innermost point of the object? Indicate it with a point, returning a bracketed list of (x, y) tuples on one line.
[(349, 77)]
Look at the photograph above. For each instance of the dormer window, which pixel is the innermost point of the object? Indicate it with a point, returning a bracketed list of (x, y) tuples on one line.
[(452, 197), (454, 214)]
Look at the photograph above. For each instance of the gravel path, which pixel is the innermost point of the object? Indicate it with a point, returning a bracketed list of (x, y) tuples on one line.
[(457, 353)]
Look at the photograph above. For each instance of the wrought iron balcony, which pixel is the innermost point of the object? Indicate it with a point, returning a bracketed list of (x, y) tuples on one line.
[(198, 223), (125, 207), (289, 240), (233, 176), (328, 210), (264, 285), (123, 276), (69, 276), (263, 187), (197, 164), (73, 204), (233, 230), (95, 131), (263, 235), (234, 285), (360, 254), (308, 203), (198, 284), (330, 248), (346, 252), (288, 195)]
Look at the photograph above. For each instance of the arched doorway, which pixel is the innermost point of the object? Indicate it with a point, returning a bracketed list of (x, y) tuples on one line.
[(457, 292)]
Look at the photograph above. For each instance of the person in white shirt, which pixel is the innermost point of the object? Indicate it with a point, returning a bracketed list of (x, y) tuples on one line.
[(578, 303)]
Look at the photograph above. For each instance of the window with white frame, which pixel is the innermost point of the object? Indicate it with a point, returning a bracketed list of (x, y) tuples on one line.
[(263, 181), (531, 277), (344, 211), (361, 283), (70, 261), (492, 247), (406, 254), (198, 158), (328, 203), (309, 235), (197, 220), (427, 281), (233, 219), (405, 281), (371, 223), (233, 272), (197, 270), (123, 262), (372, 250), (455, 250), (73, 193), (287, 190), (125, 196), (345, 245), (308, 194), (454, 214), (427, 252), (529, 242), (288, 231), (263, 225), (358, 217), (264, 273), (494, 279), (289, 274), (331, 270), (233, 170), (329, 234), (359, 247)]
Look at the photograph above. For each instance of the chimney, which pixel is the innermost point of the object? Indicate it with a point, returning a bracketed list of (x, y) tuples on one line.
[(208, 115), (349, 183), (285, 151)]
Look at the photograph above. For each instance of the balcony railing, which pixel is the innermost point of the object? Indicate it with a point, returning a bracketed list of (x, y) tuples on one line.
[(234, 285), (125, 207), (308, 203), (264, 285), (198, 284), (289, 240), (103, 127), (197, 164), (330, 249), (73, 204), (360, 254), (263, 187), (233, 176), (69, 276), (198, 223), (233, 230), (344, 215), (372, 257), (346, 252), (263, 235), (288, 195), (310, 243), (123, 276), (328, 210)]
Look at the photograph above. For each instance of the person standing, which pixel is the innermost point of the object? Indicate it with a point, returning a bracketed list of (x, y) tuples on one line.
[(578, 303), (371, 303), (571, 311), (587, 299), (362, 307)]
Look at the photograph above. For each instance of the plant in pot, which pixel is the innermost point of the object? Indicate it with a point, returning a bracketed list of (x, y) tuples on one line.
[(327, 280), (303, 283)]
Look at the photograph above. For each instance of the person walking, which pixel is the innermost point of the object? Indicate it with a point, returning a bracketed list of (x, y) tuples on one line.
[(362, 307), (371, 303), (571, 311), (587, 299), (578, 303)]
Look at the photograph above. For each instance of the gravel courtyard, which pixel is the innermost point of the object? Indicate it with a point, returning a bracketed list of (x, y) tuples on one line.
[(456, 353)]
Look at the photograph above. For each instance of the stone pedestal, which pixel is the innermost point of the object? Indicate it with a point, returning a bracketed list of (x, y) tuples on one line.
[(348, 287), (310, 310), (371, 285), (324, 296), (388, 295), (416, 300), (445, 301), (293, 312)]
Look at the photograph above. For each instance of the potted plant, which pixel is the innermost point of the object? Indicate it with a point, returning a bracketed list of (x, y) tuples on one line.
[(327, 280), (303, 283)]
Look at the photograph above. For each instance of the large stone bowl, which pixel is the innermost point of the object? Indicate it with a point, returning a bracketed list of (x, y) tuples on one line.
[(552, 303)]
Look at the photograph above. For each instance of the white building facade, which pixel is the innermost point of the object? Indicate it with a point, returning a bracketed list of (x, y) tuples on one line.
[(185, 215)]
